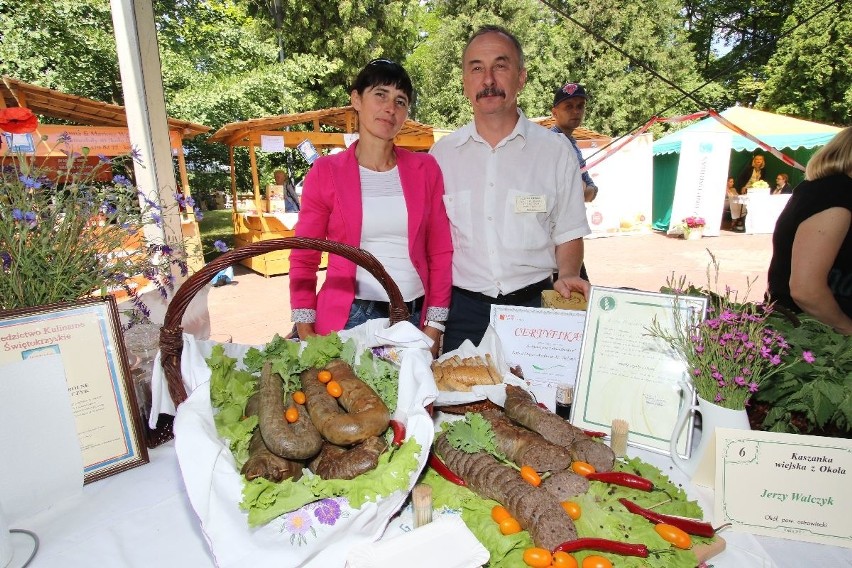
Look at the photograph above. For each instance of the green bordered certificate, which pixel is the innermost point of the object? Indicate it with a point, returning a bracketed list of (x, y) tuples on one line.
[(625, 373)]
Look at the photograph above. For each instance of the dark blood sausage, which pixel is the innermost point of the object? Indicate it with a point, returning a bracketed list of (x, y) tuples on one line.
[(534, 508), (521, 408), (334, 462), (262, 462), (297, 441), (565, 484), (363, 415), (525, 447), (593, 452)]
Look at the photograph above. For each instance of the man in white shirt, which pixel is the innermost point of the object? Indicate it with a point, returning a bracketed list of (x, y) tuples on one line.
[(513, 195)]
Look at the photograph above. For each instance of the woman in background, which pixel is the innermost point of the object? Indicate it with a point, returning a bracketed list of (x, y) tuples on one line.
[(380, 198), (811, 267)]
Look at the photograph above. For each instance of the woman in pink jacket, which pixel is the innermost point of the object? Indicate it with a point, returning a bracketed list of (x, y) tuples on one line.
[(383, 199)]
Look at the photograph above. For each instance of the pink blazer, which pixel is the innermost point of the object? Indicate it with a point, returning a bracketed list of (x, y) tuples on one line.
[(332, 209)]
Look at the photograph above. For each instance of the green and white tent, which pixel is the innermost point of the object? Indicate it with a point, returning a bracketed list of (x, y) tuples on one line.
[(796, 138)]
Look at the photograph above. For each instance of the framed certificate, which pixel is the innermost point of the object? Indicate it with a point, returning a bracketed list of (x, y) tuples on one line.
[(87, 336), (627, 374)]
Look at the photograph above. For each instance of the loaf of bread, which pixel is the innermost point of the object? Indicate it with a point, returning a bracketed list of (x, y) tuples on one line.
[(457, 374)]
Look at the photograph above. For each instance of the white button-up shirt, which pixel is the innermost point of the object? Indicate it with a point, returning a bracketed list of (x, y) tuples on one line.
[(509, 206)]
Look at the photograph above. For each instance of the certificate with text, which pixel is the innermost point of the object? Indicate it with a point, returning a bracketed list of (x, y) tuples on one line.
[(86, 335), (545, 342), (785, 485), (625, 373)]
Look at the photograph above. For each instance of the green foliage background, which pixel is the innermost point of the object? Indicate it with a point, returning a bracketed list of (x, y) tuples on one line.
[(231, 60)]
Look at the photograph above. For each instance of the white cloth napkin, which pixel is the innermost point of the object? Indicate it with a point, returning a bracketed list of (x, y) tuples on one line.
[(305, 537), (445, 542)]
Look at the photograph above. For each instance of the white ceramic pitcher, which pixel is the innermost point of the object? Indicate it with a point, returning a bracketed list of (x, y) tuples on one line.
[(712, 416)]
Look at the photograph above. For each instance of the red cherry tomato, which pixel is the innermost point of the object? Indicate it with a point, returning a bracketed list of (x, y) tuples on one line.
[(334, 389), (572, 508), (510, 526), (674, 535), (537, 557), (595, 561), (530, 475), (499, 512), (564, 560), (582, 468), (291, 414)]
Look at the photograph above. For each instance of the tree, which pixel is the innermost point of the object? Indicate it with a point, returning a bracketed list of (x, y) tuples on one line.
[(745, 33), (810, 75), (67, 45), (624, 95)]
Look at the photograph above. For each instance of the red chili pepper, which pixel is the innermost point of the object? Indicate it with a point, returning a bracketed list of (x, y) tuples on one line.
[(603, 545), (691, 526), (398, 432), (442, 469), (594, 434), (622, 478)]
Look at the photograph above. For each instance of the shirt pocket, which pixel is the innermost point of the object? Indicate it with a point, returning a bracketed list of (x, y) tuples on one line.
[(525, 230), (459, 212)]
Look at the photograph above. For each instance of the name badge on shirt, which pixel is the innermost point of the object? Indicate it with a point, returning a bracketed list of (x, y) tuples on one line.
[(530, 204)]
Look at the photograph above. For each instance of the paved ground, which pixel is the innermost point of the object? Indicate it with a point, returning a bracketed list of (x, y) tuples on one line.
[(253, 309)]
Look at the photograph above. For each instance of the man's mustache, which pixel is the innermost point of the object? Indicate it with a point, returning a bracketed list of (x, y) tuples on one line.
[(490, 92)]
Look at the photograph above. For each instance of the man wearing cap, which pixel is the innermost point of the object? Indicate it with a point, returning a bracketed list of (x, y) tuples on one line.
[(512, 193), (569, 107)]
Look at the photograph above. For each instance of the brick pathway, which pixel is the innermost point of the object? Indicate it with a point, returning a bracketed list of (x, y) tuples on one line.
[(253, 309)]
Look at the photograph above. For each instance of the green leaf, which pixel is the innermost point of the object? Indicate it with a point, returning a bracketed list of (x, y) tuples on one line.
[(473, 434)]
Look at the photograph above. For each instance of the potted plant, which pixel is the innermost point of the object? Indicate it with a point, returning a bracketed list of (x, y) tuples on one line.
[(65, 235), (692, 228)]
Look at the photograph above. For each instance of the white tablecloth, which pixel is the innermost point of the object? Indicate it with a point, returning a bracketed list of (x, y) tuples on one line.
[(142, 518), (763, 210)]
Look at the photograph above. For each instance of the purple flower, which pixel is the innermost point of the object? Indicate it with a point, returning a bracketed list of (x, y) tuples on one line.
[(752, 387), (775, 359), (222, 247), (30, 218), (718, 398), (808, 356), (29, 183), (696, 372), (121, 180), (327, 511), (157, 219), (298, 522), (17, 214), (65, 138), (740, 381), (104, 159), (6, 260)]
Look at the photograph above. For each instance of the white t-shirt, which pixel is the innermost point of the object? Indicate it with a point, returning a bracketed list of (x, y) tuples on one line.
[(509, 206), (384, 234)]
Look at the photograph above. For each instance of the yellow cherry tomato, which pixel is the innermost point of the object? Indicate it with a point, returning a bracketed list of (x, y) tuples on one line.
[(334, 389), (530, 475), (324, 376), (572, 508), (595, 561), (299, 397), (509, 526), (674, 535), (537, 557), (582, 468), (291, 414), (564, 560), (499, 512)]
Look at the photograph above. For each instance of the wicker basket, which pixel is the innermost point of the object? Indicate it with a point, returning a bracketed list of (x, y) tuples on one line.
[(171, 334)]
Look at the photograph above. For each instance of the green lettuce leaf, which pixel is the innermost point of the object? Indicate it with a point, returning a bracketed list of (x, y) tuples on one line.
[(265, 500)]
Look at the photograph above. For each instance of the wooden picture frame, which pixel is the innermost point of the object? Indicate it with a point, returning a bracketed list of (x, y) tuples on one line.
[(87, 335)]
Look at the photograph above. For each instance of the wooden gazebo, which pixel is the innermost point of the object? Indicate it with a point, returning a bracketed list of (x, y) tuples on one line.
[(324, 129), (102, 127)]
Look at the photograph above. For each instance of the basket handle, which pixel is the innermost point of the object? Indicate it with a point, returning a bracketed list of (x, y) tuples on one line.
[(171, 334)]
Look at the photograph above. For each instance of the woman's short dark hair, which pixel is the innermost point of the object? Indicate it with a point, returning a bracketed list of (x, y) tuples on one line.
[(383, 72)]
